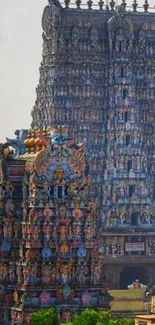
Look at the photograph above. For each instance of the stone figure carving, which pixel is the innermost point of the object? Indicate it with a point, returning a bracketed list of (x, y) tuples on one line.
[(18, 143), (94, 37), (50, 20)]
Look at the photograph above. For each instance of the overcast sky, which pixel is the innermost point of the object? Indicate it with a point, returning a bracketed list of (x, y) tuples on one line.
[(20, 57)]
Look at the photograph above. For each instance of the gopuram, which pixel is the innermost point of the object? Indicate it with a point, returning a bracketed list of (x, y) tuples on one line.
[(65, 242), (50, 253)]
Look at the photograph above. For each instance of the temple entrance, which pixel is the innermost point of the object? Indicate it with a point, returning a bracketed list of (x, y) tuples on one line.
[(131, 273)]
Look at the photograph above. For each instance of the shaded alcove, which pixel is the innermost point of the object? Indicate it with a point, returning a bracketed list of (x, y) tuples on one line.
[(131, 273)]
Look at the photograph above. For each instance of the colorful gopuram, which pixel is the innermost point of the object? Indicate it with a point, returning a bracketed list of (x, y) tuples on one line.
[(97, 77), (50, 253), (63, 241)]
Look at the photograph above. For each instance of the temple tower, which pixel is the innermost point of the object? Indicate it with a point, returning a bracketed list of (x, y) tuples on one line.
[(128, 186), (76, 87), (97, 79), (61, 257), (97, 76), (73, 78)]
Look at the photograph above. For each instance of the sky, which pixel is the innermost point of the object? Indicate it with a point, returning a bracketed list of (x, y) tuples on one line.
[(20, 57)]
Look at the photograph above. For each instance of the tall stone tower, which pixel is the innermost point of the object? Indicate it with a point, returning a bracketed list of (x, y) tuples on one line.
[(128, 201), (73, 81), (97, 76)]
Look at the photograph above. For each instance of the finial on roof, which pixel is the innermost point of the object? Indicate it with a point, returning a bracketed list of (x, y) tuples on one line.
[(134, 5), (101, 3), (123, 4), (112, 4), (89, 3), (78, 3), (146, 5), (67, 2)]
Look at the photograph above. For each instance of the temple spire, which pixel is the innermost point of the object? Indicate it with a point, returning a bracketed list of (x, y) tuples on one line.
[(146, 5), (134, 5)]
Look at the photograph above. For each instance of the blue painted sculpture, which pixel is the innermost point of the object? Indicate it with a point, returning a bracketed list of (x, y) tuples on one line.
[(18, 143)]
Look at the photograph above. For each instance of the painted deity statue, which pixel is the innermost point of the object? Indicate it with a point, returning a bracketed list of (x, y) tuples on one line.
[(9, 206), (47, 230), (89, 231), (96, 270), (64, 274), (47, 213), (76, 230), (48, 275), (63, 232), (82, 273), (77, 212)]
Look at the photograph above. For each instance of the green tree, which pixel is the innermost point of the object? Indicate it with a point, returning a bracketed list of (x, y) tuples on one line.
[(45, 317), (125, 321), (104, 317), (91, 317), (87, 317)]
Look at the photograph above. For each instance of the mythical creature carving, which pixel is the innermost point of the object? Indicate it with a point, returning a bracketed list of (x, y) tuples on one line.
[(60, 163)]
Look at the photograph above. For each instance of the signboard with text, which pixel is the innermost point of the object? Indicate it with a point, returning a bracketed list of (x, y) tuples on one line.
[(134, 247)]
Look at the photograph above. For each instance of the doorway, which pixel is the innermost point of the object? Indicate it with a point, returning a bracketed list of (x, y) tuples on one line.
[(129, 165), (131, 273), (134, 219)]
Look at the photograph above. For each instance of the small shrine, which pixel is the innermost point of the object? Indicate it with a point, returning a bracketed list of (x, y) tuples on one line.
[(50, 253)]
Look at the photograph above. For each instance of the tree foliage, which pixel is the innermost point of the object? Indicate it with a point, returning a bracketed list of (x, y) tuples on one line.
[(87, 317), (45, 317), (92, 317), (125, 321)]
